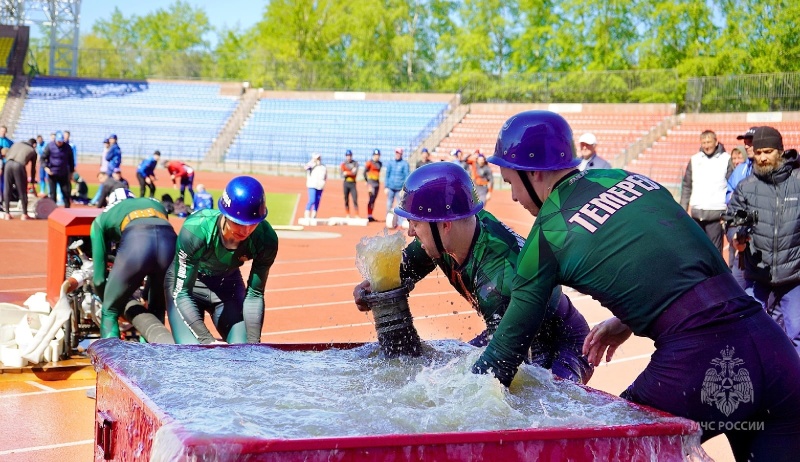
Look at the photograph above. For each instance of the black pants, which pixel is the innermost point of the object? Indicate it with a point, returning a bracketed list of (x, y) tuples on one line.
[(713, 229), (63, 182), (350, 190), (374, 187), (144, 250), (15, 175), (143, 185)]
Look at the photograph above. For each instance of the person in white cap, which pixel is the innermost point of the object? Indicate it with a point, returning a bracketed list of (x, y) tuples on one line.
[(588, 150)]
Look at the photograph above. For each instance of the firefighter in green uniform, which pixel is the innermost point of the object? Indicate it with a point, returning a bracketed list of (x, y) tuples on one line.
[(478, 254), (206, 276), (145, 248), (620, 237)]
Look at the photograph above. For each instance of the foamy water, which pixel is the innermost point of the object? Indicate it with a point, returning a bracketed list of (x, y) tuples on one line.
[(254, 390)]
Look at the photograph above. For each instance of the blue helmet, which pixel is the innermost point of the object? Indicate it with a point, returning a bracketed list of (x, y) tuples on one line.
[(243, 201), (441, 191), (348, 153), (535, 140)]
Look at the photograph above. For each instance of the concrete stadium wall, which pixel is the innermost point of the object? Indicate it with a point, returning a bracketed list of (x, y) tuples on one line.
[(752, 117)]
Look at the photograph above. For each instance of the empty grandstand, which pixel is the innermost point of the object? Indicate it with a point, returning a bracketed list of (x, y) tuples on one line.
[(286, 131), (620, 128), (179, 119)]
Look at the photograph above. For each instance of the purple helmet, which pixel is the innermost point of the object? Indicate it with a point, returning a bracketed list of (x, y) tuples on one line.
[(535, 140), (243, 201), (441, 191)]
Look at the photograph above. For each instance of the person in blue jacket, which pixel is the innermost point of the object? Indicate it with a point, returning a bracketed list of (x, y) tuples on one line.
[(397, 171), (114, 155), (146, 174)]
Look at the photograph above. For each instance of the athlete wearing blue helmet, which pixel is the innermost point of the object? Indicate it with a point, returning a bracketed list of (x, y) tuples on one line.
[(243, 201), (205, 277)]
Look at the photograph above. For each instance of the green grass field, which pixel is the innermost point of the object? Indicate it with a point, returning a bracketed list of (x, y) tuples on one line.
[(280, 205)]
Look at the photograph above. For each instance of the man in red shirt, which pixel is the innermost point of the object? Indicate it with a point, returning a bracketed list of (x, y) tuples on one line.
[(181, 174)]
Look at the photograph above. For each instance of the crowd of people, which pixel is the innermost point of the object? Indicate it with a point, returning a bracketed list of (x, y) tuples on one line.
[(55, 165)]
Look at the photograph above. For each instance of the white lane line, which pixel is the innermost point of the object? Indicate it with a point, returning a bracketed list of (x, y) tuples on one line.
[(24, 276), (43, 448), (39, 385), (30, 289), (314, 260), (37, 393), (305, 273)]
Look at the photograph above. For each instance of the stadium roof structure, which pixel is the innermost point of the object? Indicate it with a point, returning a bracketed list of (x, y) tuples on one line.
[(60, 17)]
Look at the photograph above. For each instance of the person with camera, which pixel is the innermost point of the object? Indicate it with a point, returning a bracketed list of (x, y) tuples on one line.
[(770, 244)]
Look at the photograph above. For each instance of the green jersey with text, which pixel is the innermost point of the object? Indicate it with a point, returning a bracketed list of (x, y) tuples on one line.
[(617, 236)]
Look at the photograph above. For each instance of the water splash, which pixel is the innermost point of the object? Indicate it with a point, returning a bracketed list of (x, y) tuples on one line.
[(378, 260)]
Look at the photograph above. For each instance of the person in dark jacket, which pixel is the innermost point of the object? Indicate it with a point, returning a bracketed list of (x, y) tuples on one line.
[(19, 155), (771, 247), (59, 164)]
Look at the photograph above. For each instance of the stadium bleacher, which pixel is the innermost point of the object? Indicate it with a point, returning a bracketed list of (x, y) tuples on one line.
[(179, 119), (289, 130), (615, 131)]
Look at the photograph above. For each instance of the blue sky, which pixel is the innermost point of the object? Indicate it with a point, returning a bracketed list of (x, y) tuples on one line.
[(221, 13)]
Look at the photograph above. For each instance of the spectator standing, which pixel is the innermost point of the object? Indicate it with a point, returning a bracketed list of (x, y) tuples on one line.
[(719, 359), (114, 154), (182, 177), (396, 173), (741, 172), (316, 175), (483, 178), (58, 164), (18, 156), (372, 175), (588, 150), (704, 186), (744, 169), (205, 277), (146, 174), (425, 158), (202, 199), (5, 143), (771, 248), (478, 255), (43, 184), (349, 171)]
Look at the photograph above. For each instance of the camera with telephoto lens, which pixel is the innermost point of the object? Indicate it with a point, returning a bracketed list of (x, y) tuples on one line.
[(744, 220)]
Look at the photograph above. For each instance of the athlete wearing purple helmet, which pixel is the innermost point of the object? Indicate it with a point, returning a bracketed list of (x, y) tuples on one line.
[(478, 254)]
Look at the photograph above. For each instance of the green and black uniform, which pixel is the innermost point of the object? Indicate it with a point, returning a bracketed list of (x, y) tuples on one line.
[(484, 280), (145, 248), (622, 239), (206, 278)]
